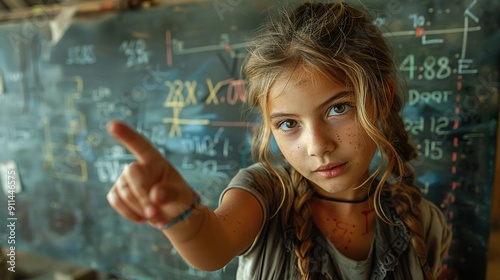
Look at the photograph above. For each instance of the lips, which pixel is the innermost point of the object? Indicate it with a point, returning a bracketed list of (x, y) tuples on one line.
[(331, 170)]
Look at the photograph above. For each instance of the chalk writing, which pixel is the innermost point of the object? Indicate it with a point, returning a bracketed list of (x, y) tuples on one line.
[(61, 150), (14, 76), (436, 125), (432, 67), (108, 171), (418, 23), (430, 149), (176, 97), (16, 134), (178, 47), (207, 145), (183, 93), (235, 92), (136, 52), (464, 64), (81, 55), (223, 6), (436, 96)]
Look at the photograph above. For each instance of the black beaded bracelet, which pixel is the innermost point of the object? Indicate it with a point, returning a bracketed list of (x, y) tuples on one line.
[(195, 202)]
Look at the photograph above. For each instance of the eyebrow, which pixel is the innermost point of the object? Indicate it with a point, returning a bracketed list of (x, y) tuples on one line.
[(338, 95)]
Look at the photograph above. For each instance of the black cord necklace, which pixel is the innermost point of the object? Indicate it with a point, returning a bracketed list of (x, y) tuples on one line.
[(315, 194)]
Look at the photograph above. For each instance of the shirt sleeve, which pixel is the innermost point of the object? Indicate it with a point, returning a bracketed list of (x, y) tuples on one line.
[(259, 182), (437, 236)]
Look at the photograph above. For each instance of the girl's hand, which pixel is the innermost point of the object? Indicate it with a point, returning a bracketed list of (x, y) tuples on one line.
[(149, 189)]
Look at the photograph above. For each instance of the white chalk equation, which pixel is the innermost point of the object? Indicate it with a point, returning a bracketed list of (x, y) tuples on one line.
[(430, 36)]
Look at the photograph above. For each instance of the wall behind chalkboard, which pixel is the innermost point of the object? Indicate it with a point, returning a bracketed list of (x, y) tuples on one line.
[(173, 74)]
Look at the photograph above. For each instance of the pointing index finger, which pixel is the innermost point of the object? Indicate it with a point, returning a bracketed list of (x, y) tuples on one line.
[(134, 142)]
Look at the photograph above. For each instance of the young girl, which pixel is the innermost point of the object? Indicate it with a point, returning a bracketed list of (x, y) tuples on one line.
[(324, 82)]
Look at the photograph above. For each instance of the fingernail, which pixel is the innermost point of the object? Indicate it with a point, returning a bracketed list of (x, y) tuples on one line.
[(149, 212), (108, 126), (111, 197)]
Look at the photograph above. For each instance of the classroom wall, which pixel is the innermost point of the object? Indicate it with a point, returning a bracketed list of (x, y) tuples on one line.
[(495, 211), (173, 74)]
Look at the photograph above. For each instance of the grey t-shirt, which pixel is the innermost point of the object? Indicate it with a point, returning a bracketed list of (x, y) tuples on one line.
[(271, 255), (351, 269)]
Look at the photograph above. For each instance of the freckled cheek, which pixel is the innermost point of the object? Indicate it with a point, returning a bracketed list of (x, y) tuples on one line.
[(349, 137), (291, 151), (356, 138)]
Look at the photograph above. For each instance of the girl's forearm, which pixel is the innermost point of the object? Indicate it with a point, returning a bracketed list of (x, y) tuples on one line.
[(201, 240)]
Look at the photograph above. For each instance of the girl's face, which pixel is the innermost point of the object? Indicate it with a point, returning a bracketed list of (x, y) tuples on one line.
[(315, 125)]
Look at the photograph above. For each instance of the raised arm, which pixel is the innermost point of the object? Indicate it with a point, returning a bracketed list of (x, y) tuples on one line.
[(151, 190)]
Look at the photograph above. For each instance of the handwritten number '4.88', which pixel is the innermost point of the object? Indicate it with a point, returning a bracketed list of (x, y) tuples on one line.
[(430, 64)]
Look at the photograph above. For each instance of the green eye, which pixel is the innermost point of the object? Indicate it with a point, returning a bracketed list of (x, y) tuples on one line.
[(339, 109), (287, 125)]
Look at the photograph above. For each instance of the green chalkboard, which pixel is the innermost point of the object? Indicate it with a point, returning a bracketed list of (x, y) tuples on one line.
[(173, 73)]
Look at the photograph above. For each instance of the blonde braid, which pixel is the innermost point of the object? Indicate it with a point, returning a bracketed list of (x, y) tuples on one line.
[(405, 195), (406, 201), (302, 221)]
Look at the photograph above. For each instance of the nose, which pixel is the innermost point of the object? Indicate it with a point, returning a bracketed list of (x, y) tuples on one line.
[(320, 141)]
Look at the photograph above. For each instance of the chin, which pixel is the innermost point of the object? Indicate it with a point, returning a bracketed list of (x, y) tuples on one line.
[(337, 186)]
